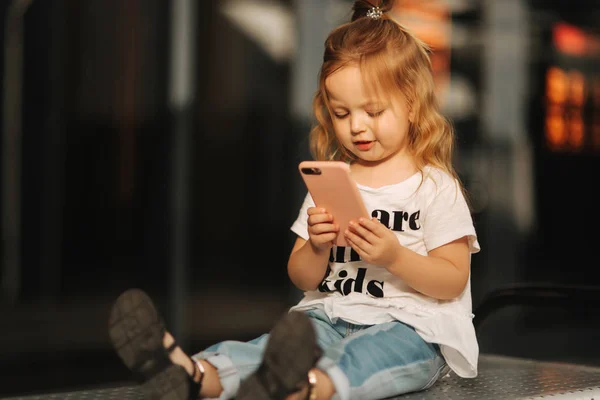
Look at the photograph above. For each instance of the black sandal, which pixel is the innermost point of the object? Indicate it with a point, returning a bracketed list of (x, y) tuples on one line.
[(291, 352), (136, 331)]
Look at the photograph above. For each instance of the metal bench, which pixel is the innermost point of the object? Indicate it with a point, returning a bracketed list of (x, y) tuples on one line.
[(499, 377)]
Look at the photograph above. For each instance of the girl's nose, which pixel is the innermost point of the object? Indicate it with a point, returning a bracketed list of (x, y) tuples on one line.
[(356, 124)]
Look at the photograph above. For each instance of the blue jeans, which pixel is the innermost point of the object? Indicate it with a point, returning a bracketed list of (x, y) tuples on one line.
[(363, 361)]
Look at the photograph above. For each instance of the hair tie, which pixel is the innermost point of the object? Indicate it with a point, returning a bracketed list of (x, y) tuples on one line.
[(375, 13)]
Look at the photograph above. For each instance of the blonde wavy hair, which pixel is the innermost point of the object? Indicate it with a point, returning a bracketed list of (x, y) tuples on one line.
[(393, 62)]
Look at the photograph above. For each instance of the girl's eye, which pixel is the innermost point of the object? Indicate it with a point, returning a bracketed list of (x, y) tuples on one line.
[(374, 114), (341, 116)]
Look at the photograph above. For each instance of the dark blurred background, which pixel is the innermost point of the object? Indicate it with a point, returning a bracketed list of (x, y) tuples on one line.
[(154, 144)]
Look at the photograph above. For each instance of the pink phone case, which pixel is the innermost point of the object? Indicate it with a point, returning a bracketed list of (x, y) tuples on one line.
[(332, 187)]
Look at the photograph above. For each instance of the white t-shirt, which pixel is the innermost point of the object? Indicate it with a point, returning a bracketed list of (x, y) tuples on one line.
[(423, 217)]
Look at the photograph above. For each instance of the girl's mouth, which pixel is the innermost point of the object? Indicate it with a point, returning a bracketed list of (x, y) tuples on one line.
[(364, 145)]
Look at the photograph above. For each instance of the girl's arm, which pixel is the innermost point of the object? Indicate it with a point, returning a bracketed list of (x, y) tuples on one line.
[(443, 274), (307, 265)]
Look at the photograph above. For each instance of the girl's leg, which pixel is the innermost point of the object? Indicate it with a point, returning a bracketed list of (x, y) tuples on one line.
[(141, 340), (359, 362), (270, 366), (378, 362), (211, 384), (290, 352), (227, 364), (163, 369)]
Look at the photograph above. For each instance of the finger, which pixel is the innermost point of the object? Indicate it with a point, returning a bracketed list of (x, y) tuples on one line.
[(360, 243), (316, 210), (320, 229), (372, 225), (324, 238), (319, 219), (356, 247), (362, 231)]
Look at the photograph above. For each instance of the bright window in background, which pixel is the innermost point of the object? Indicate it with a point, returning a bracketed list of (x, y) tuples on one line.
[(572, 94)]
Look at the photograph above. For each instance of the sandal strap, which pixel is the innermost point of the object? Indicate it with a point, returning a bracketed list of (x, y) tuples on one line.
[(197, 385), (312, 386), (194, 387), (172, 347)]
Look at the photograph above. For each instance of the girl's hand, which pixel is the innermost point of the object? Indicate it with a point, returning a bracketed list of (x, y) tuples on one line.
[(321, 229), (374, 242)]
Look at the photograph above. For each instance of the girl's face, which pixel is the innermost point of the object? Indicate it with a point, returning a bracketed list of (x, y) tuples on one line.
[(373, 129)]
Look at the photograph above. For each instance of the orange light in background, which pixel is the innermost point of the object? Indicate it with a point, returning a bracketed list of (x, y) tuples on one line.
[(427, 19), (577, 90), (556, 85), (556, 95), (556, 134), (571, 94), (576, 130), (569, 39), (565, 91), (430, 21)]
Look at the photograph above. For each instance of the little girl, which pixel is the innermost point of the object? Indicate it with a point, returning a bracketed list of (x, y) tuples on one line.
[(389, 314)]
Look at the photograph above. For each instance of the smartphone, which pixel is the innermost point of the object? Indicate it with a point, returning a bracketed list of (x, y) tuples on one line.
[(332, 187)]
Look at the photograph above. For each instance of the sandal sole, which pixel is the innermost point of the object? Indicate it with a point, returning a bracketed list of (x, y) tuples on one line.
[(291, 352), (170, 384), (135, 330)]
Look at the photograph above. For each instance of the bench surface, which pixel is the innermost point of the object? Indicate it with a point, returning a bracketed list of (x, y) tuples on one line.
[(499, 378)]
